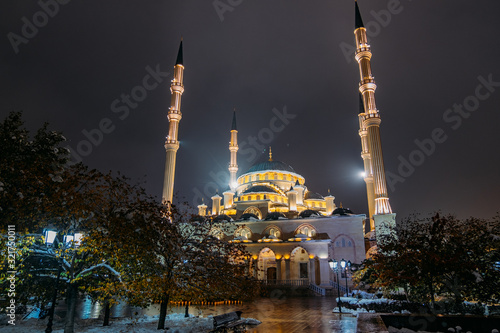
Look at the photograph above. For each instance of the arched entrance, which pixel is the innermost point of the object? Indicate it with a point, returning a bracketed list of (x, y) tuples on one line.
[(299, 264), (267, 260), (271, 273)]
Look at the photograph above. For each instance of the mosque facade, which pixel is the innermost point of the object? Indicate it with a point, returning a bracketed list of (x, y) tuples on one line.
[(291, 232)]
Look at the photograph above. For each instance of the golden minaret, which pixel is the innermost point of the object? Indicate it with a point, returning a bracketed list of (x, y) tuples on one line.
[(174, 116), (369, 124), (233, 148)]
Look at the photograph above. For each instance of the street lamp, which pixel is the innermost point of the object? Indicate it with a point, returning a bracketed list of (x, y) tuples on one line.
[(334, 267), (345, 265), (50, 237), (52, 241)]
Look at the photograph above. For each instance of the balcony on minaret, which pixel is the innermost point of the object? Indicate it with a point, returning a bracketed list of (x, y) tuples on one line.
[(367, 80)]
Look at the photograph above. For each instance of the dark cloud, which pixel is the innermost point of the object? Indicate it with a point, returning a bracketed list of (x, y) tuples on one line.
[(265, 55)]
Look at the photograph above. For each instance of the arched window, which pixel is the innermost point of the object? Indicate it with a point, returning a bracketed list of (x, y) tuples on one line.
[(307, 230), (243, 232), (343, 242), (273, 231)]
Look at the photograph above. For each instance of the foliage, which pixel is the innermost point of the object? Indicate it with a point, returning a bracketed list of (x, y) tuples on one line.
[(164, 255), (440, 255), (134, 248), (30, 173)]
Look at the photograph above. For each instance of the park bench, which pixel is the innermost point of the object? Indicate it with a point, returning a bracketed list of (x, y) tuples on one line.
[(228, 321)]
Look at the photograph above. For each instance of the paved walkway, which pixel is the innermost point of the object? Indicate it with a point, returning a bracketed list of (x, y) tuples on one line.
[(288, 315)]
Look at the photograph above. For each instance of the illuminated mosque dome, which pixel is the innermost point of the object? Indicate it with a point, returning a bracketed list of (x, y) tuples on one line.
[(271, 165), (271, 188)]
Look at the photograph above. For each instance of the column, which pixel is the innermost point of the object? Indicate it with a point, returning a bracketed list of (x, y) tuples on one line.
[(278, 269), (312, 272), (287, 269), (324, 269)]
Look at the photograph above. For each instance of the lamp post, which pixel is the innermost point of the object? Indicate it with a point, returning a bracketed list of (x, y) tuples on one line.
[(51, 241), (345, 265), (334, 267)]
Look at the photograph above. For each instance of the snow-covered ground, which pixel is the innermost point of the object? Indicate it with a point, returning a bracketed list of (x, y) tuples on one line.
[(457, 329), (176, 323)]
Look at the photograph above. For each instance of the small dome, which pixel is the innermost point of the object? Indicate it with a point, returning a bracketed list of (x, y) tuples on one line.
[(197, 218), (342, 211), (274, 216), (248, 217), (223, 218), (271, 165), (308, 213)]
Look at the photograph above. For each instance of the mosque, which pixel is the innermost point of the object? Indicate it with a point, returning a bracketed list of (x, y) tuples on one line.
[(290, 231)]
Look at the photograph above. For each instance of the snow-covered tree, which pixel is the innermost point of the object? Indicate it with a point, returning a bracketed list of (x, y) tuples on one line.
[(164, 255), (439, 255)]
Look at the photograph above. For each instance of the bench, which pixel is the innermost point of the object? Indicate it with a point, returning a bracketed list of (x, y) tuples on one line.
[(227, 321)]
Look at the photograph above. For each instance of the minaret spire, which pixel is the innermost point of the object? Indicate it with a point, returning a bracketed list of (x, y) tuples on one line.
[(174, 116), (179, 60), (233, 149), (369, 123), (358, 20)]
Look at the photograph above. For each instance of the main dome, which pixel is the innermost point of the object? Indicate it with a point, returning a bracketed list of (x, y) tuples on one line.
[(271, 165)]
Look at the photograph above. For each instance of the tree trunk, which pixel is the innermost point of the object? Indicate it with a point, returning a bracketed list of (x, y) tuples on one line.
[(106, 314), (187, 310), (431, 289), (163, 312), (71, 297)]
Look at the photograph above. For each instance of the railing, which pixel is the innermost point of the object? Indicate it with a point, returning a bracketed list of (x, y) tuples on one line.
[(342, 288), (295, 283), (317, 289)]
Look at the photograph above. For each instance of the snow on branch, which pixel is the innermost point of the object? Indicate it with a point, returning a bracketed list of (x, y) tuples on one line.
[(109, 268)]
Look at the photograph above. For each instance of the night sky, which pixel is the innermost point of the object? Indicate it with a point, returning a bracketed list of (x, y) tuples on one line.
[(259, 56)]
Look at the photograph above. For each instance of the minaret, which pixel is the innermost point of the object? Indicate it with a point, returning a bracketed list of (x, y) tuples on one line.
[(233, 148), (174, 116), (369, 121), (365, 155)]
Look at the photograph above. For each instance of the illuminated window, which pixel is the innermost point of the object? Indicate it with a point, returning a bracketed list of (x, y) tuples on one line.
[(243, 232), (274, 231), (307, 230), (280, 176)]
